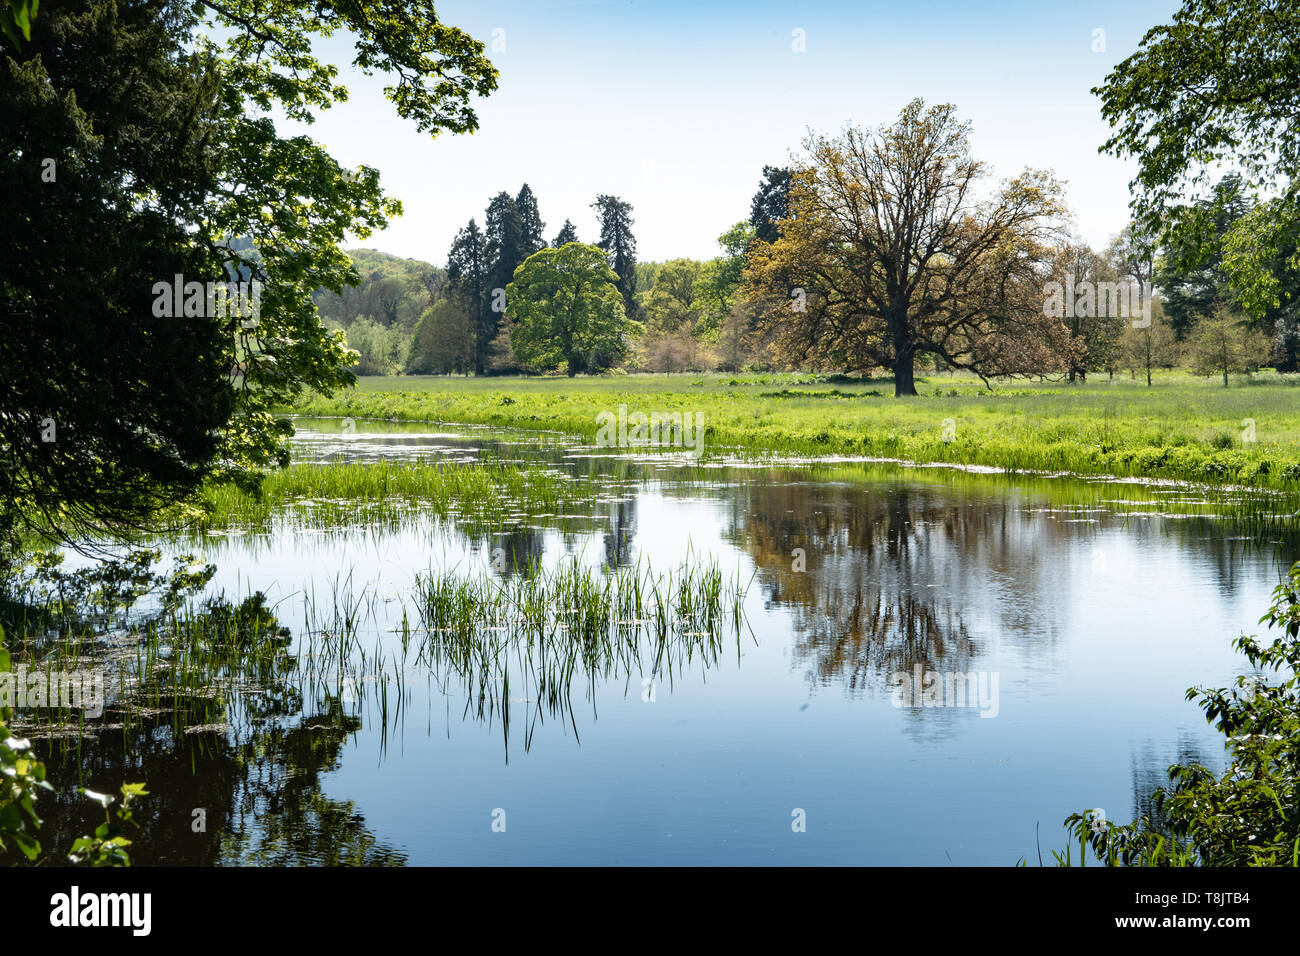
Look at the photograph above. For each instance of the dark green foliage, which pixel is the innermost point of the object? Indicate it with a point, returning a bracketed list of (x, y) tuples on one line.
[(507, 246), (1190, 273), (107, 412), (137, 147), (566, 235), (771, 203), (530, 222), (469, 278), (619, 244)]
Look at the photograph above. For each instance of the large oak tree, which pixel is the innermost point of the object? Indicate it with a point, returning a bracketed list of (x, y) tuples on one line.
[(890, 252)]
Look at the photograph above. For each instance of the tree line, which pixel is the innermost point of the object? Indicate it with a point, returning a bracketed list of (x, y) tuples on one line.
[(409, 316), (869, 255)]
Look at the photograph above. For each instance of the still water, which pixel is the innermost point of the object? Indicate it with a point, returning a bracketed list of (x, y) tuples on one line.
[(1081, 610)]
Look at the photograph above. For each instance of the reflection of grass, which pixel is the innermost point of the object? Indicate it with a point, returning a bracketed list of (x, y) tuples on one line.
[(1243, 511), (333, 494), (1183, 428), (189, 665)]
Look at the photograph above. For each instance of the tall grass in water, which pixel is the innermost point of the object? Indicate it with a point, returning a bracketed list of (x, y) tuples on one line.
[(532, 638), (542, 629), (332, 494)]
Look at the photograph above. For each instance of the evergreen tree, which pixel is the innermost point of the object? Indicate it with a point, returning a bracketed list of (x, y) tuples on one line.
[(619, 244), (469, 278), (566, 235), (504, 234), (530, 222), (771, 203)]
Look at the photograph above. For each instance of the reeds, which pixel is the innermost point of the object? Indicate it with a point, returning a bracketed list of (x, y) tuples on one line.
[(541, 631), (538, 638)]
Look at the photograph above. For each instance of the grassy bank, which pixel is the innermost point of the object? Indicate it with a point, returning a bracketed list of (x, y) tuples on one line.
[(1182, 428), (329, 495)]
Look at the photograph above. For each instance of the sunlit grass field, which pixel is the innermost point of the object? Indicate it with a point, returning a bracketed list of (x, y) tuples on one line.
[(1184, 427)]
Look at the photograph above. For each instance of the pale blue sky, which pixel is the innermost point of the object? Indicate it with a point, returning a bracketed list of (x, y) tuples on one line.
[(676, 106)]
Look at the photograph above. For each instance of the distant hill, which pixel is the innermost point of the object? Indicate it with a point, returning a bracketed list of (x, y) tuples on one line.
[(380, 314)]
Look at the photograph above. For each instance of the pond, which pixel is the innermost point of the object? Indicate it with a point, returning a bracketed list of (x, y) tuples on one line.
[(1064, 620)]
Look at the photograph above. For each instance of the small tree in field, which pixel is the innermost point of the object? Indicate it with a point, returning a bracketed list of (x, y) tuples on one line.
[(566, 307), (1223, 343), (1152, 346)]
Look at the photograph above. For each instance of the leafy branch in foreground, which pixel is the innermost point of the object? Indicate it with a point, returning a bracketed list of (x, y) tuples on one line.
[(144, 137), (22, 777), (108, 845), (18, 19), (1250, 814)]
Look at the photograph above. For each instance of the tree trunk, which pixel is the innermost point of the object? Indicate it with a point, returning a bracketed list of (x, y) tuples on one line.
[(904, 380)]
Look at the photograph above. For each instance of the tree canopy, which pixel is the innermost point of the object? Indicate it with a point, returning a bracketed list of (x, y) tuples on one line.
[(887, 254), (567, 309), (1216, 89), (139, 135)]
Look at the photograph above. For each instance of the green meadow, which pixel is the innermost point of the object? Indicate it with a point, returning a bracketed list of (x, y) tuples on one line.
[(1183, 427)]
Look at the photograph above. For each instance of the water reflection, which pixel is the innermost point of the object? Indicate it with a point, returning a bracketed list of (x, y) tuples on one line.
[(249, 794), (1097, 603)]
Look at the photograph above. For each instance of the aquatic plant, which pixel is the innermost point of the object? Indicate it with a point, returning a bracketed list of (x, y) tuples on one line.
[(383, 494), (548, 626)]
